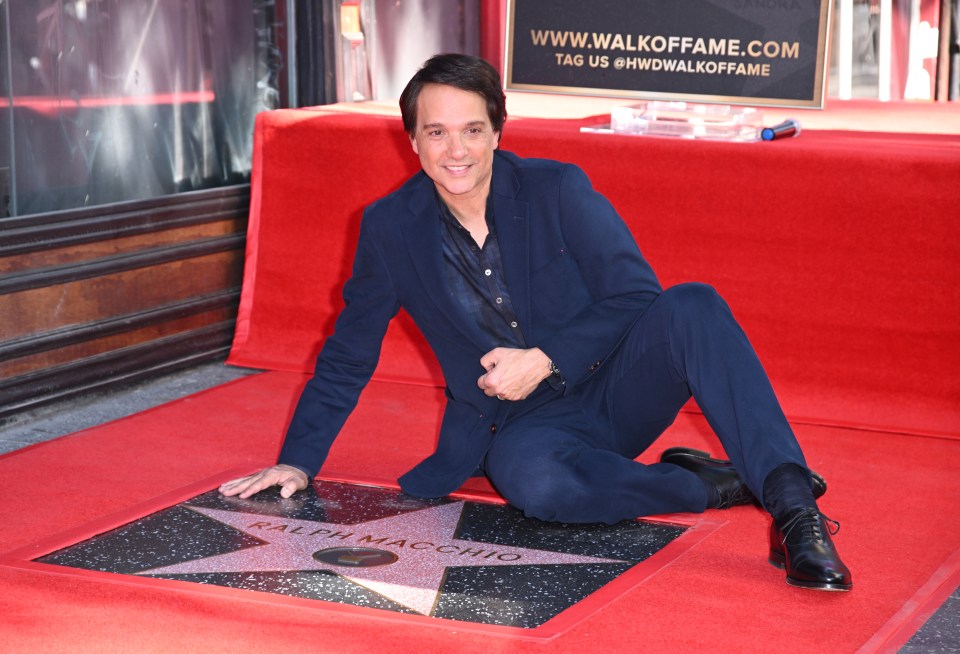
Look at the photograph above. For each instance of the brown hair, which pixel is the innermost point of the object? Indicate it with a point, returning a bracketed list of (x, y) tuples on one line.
[(461, 71)]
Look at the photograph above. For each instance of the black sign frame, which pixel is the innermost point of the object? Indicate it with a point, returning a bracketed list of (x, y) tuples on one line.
[(744, 52)]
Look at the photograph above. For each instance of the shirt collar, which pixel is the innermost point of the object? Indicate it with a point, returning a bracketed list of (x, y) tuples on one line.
[(448, 216)]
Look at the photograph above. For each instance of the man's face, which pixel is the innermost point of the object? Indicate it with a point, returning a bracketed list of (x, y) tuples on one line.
[(455, 142)]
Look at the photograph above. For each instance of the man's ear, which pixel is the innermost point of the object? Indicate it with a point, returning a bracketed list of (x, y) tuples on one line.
[(413, 144), (497, 145)]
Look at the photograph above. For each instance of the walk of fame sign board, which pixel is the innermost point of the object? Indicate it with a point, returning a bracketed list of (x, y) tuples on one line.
[(469, 559)]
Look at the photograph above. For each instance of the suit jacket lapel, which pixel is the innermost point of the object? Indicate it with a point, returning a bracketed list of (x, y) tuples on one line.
[(421, 233)]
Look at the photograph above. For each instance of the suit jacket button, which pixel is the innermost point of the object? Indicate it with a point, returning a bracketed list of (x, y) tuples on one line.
[(596, 365), (493, 429)]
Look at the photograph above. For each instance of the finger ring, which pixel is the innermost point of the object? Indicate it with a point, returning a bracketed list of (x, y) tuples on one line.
[(499, 397)]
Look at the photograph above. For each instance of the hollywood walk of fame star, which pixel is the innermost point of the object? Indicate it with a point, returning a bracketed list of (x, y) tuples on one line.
[(404, 558)]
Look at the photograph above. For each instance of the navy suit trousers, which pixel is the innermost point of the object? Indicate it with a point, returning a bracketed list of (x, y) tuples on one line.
[(572, 459)]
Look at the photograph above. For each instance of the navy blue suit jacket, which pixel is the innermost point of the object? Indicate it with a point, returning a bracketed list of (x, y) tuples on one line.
[(576, 278)]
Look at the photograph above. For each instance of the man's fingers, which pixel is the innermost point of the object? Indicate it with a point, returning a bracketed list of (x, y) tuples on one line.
[(235, 486), (290, 487), (255, 486), (489, 360), (289, 479), (244, 487)]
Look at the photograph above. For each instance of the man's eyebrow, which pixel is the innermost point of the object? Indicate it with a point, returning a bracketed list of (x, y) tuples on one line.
[(472, 123)]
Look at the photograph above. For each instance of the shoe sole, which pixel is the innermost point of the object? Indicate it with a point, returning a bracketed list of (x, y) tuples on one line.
[(741, 498), (813, 585), (777, 560), (819, 483), (689, 452)]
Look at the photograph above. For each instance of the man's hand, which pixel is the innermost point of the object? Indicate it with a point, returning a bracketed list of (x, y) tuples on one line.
[(289, 479), (512, 374)]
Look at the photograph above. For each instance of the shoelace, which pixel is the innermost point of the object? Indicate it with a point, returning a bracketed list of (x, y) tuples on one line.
[(808, 521)]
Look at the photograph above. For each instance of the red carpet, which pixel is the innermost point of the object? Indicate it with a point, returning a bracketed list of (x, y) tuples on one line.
[(891, 492), (838, 252)]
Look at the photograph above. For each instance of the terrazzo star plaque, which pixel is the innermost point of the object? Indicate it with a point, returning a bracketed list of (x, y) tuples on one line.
[(466, 560)]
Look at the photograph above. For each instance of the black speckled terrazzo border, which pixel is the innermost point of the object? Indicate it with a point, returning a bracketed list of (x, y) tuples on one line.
[(478, 562)]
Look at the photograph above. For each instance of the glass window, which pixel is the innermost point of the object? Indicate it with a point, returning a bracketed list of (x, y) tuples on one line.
[(113, 100), (885, 49)]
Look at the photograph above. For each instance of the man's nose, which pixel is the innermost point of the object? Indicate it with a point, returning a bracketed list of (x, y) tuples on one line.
[(456, 146)]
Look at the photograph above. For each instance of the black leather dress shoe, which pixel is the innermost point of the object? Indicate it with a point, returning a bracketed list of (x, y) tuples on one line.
[(732, 490), (677, 454), (800, 543)]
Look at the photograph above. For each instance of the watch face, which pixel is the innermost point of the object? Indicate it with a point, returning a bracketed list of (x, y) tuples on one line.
[(554, 370)]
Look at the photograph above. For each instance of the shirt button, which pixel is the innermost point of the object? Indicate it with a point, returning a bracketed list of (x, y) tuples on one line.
[(487, 272), (499, 300), (513, 324)]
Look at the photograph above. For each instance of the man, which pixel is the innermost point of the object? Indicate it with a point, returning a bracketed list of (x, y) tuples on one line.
[(563, 358)]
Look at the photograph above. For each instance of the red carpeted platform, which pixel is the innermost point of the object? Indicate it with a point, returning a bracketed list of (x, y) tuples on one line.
[(836, 250)]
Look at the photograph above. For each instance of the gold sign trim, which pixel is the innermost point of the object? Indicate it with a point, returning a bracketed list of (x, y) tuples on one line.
[(816, 101)]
